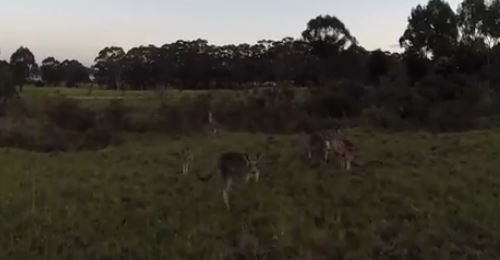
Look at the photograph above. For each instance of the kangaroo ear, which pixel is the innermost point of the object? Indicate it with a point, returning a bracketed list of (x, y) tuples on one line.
[(247, 158), (258, 157)]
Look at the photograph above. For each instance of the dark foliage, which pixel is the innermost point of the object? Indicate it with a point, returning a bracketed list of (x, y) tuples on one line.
[(447, 78), (68, 114)]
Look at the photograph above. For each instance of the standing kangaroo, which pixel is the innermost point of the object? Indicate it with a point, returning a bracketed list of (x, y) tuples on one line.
[(235, 166), (187, 157), (321, 143), (213, 125), (344, 149), (319, 147)]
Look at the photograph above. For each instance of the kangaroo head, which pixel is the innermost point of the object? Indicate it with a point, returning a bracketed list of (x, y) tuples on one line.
[(338, 132), (187, 153), (252, 164), (325, 137)]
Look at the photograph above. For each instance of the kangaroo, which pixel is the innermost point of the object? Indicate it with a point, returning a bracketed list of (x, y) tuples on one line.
[(319, 146), (234, 166), (344, 149), (213, 125), (187, 157)]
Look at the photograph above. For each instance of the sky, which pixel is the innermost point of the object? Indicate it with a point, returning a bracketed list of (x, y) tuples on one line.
[(78, 29)]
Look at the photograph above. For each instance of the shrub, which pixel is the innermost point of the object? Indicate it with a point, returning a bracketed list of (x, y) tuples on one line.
[(97, 138), (186, 116), (115, 114), (18, 109), (451, 116), (140, 121), (31, 135), (34, 135), (17, 133), (379, 117), (7, 88), (52, 139), (338, 100), (68, 114)]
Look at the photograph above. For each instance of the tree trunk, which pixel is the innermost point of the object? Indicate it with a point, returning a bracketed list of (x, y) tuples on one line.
[(89, 90), (488, 65)]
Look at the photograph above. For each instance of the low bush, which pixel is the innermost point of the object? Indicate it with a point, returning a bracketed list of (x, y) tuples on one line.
[(36, 136), (97, 138), (8, 90), (140, 121), (116, 115), (68, 114), (63, 126), (382, 118), (343, 99)]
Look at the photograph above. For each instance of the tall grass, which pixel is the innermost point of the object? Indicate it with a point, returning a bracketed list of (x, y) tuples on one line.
[(417, 196)]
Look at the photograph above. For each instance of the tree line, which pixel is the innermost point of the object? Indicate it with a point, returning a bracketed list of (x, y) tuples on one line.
[(438, 40)]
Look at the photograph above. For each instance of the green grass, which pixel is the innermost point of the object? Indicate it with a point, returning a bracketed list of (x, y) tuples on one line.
[(130, 202), (428, 197), (139, 98)]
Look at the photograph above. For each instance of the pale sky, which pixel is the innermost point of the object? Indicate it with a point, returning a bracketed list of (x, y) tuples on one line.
[(78, 29)]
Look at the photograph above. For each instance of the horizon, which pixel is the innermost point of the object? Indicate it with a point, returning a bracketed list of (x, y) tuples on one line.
[(76, 30)]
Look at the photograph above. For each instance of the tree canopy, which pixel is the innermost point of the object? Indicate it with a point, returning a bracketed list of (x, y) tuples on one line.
[(23, 66), (437, 39), (7, 87)]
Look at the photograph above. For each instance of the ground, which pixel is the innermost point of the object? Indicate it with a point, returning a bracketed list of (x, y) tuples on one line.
[(416, 196)]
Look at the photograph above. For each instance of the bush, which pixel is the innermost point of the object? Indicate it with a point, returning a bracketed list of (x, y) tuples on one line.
[(262, 114), (66, 127), (52, 139), (115, 114), (451, 116), (68, 114), (34, 135), (186, 116), (140, 121), (97, 138), (383, 118), (342, 99), (17, 133), (438, 88), (18, 109), (31, 135), (7, 88)]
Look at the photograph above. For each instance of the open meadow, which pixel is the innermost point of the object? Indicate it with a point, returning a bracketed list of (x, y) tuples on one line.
[(417, 195), (250, 130)]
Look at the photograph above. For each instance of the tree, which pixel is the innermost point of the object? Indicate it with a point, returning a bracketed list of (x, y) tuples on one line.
[(378, 65), (109, 67), (74, 73), (480, 23), (141, 67), (51, 71), (328, 35), (351, 64), (291, 61), (23, 66), (492, 23), (471, 19), (432, 30), (7, 87), (471, 55), (417, 66)]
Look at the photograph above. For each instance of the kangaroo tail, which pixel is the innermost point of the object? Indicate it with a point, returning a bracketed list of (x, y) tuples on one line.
[(373, 163), (357, 163), (205, 178)]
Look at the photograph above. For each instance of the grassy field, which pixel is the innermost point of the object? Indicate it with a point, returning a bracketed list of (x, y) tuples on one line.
[(428, 197)]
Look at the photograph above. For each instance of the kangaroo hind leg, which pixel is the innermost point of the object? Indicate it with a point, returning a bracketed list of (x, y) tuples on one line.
[(225, 193)]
